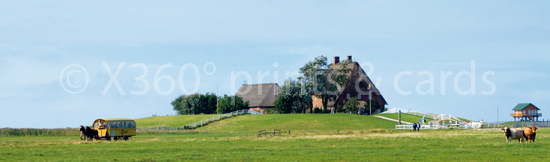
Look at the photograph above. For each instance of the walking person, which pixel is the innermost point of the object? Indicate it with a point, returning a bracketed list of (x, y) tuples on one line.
[(414, 127), (424, 120), (418, 127)]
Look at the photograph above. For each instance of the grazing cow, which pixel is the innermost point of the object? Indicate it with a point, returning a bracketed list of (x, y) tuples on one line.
[(513, 134), (530, 133)]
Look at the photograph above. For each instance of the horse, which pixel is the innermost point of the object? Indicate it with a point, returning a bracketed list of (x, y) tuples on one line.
[(82, 132), (91, 134)]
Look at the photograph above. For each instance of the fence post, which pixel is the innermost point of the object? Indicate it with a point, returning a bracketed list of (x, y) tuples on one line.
[(399, 115)]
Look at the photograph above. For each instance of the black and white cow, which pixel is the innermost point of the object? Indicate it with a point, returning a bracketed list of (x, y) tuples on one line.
[(512, 134)]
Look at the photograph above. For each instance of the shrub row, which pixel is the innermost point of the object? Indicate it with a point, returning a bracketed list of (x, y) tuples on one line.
[(39, 132)]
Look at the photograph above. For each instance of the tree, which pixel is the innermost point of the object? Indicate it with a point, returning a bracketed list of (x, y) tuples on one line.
[(195, 104), (293, 97), (375, 106), (323, 80), (351, 105), (231, 103)]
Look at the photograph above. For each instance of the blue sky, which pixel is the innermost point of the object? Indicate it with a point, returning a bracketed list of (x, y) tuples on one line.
[(38, 39)]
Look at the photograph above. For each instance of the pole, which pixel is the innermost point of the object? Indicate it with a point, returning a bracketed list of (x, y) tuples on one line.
[(217, 96), (399, 116), (370, 102)]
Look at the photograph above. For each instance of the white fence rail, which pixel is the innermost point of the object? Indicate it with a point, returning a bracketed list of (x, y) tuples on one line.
[(215, 118), (202, 122), (409, 126), (472, 125)]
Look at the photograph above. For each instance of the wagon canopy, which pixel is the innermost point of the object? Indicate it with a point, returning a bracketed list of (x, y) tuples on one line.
[(117, 119)]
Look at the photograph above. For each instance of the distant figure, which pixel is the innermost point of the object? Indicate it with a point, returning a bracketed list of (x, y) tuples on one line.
[(418, 127), (424, 120), (481, 123)]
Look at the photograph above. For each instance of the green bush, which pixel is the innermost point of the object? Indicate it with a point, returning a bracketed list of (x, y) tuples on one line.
[(39, 132), (271, 111)]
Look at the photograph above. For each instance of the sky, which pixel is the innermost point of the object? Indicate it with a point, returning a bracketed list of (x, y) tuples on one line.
[(66, 63)]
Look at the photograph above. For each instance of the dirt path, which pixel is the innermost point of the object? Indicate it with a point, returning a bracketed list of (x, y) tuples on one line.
[(435, 122), (402, 122)]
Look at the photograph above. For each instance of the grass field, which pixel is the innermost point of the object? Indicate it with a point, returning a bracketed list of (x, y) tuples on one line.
[(405, 117), (169, 121), (313, 137), (431, 145), (320, 122)]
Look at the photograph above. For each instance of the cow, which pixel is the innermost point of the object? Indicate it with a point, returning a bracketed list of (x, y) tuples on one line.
[(512, 134), (530, 133)]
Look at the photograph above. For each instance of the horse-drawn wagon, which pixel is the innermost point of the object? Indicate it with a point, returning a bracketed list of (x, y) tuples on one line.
[(110, 128)]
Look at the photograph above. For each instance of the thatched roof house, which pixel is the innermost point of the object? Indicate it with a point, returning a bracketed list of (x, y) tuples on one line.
[(259, 96), (357, 86)]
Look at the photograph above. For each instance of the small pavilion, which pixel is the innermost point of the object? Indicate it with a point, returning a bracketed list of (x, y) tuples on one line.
[(526, 112)]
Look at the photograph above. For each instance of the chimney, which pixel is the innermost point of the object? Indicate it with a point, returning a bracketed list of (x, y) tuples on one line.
[(349, 58), (336, 60)]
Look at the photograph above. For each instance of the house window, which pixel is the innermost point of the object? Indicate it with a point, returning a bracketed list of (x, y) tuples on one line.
[(348, 96), (359, 96), (524, 112)]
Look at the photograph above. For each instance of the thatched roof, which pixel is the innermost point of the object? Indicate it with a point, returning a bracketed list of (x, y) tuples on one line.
[(259, 95), (357, 76)]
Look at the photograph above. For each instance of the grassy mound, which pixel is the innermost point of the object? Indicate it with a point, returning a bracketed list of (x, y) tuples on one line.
[(405, 117), (319, 122), (170, 121)]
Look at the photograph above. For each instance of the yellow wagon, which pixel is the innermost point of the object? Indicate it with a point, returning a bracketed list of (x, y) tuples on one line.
[(115, 128)]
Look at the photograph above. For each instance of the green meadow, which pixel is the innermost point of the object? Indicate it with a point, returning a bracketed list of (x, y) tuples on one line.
[(317, 137), (169, 121), (432, 145), (298, 122)]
